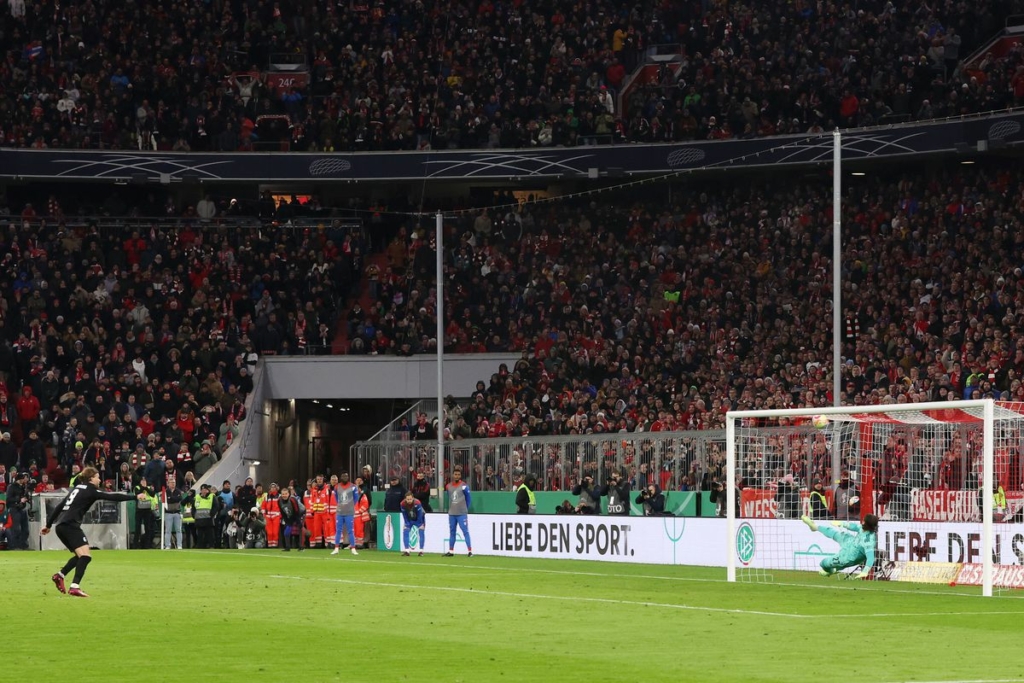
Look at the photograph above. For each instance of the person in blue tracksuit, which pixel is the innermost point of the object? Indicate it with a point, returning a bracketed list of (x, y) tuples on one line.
[(857, 544), (458, 511), (413, 517), (347, 496)]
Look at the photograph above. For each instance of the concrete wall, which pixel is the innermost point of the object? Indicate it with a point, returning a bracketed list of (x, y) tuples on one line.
[(253, 443), (271, 434), (378, 377)]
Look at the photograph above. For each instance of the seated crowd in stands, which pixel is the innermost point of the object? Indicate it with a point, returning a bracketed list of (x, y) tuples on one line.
[(413, 74), (134, 350), (637, 315), (121, 346)]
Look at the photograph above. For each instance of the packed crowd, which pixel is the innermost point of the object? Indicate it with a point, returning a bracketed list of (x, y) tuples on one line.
[(638, 318), (130, 348), (754, 71), (418, 73)]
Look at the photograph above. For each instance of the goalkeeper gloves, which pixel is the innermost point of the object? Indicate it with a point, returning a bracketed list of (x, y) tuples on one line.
[(863, 574), (838, 524)]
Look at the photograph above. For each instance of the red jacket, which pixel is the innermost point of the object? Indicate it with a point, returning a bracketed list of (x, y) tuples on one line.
[(28, 405), (186, 423), (271, 508), (319, 499), (363, 508)]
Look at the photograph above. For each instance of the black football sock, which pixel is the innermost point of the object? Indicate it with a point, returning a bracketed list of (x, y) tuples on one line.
[(83, 562), (72, 563)]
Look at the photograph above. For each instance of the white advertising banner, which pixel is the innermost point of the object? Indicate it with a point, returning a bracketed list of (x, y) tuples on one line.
[(784, 544), (641, 540), (760, 543)]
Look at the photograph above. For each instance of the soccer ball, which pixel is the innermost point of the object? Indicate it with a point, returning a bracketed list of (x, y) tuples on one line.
[(819, 421)]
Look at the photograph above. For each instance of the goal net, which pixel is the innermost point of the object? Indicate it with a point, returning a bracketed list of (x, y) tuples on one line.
[(944, 480)]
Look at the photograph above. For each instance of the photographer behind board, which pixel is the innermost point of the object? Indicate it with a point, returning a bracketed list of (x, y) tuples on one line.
[(251, 530), (653, 502), (526, 499), (787, 498), (566, 508), (720, 499), (617, 490), (590, 499)]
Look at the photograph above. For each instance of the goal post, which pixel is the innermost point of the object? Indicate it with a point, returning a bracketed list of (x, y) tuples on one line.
[(929, 471)]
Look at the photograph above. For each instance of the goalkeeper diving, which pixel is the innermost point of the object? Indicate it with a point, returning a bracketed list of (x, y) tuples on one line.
[(857, 544)]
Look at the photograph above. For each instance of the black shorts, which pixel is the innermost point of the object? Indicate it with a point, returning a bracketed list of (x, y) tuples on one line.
[(72, 536)]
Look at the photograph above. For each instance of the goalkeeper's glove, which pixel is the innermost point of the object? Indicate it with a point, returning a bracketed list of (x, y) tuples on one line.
[(838, 524), (864, 574)]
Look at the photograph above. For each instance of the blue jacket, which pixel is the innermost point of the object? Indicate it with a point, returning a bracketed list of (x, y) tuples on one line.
[(228, 498), (413, 514), (153, 472)]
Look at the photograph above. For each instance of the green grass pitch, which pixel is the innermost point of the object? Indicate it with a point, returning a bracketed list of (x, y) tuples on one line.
[(254, 615)]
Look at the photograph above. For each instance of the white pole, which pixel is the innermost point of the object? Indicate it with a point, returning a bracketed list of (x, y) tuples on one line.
[(730, 498), (439, 274), (126, 528), (837, 229), (163, 519), (986, 498)]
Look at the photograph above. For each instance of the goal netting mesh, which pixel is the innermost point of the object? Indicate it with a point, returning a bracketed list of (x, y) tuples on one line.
[(919, 468)]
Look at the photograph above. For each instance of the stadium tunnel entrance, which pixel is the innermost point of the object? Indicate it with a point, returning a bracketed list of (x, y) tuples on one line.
[(307, 412)]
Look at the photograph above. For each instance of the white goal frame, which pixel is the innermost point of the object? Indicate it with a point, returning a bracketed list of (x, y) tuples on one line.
[(988, 419)]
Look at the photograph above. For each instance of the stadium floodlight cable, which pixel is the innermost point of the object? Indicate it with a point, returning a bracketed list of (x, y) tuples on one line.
[(660, 177), (724, 163), (657, 178), (897, 454)]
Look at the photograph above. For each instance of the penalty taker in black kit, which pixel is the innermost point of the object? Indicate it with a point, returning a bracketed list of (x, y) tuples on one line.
[(68, 526)]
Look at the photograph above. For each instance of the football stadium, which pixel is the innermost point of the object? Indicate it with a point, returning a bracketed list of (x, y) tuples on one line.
[(512, 341)]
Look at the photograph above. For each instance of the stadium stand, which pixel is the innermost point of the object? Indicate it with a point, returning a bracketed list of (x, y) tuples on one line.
[(633, 318), (327, 76), (138, 335), (629, 317)]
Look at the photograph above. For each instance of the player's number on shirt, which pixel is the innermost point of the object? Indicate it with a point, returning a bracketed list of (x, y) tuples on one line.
[(71, 498)]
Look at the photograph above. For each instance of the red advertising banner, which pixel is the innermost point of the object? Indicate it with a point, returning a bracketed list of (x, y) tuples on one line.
[(760, 503), (926, 505), (283, 81), (1003, 575), (957, 506)]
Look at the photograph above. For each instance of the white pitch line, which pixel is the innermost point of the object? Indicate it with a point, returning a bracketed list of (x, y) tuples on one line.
[(832, 586), (975, 680), (637, 603), (535, 596), (885, 615)]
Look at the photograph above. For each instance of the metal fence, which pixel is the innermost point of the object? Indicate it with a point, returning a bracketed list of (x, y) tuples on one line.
[(671, 460), (896, 458), (396, 431)]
